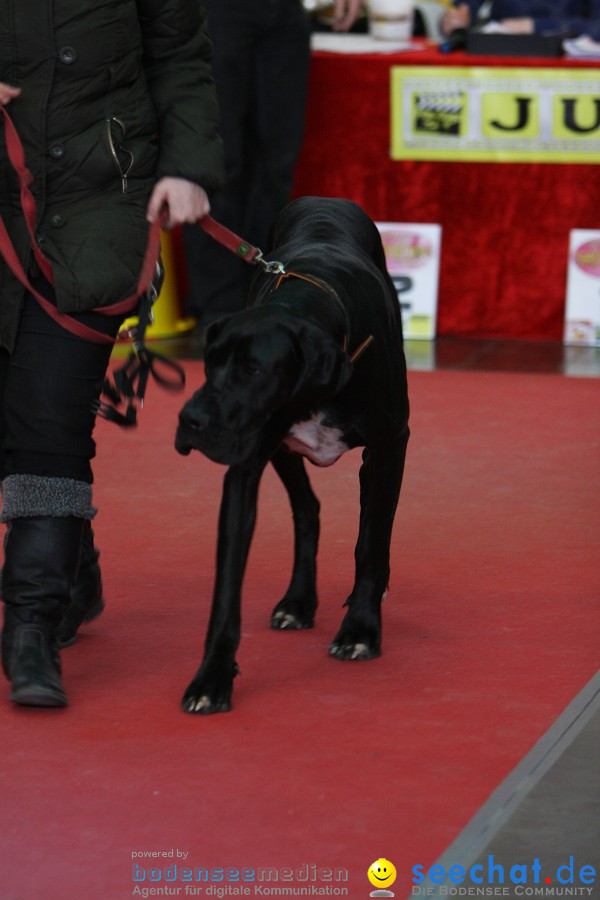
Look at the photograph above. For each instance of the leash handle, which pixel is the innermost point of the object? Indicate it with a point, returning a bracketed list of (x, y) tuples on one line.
[(129, 382)]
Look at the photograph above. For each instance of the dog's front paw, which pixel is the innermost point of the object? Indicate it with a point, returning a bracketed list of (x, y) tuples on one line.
[(353, 650), (195, 701), (287, 621), (359, 636), (290, 615), (209, 694), (356, 640)]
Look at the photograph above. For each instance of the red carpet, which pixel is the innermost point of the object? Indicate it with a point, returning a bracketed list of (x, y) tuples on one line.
[(490, 628)]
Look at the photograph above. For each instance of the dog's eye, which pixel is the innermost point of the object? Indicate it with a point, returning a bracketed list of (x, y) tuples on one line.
[(252, 369)]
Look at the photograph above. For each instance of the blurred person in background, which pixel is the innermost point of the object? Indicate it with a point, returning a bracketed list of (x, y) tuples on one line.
[(571, 17), (261, 55)]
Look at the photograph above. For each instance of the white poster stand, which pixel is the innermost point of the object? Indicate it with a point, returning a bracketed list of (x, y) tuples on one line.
[(412, 253), (582, 309)]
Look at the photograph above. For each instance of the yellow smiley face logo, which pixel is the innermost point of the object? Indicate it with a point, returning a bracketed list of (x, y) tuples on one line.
[(382, 873)]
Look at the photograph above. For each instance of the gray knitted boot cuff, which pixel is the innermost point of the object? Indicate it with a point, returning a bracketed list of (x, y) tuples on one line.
[(24, 496)]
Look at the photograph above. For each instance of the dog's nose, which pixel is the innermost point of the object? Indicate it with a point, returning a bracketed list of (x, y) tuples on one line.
[(193, 419)]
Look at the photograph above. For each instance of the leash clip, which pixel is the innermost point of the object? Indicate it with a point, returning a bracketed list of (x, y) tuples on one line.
[(273, 267)]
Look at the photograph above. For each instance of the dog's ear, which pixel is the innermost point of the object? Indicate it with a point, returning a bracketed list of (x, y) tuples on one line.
[(214, 329), (326, 366)]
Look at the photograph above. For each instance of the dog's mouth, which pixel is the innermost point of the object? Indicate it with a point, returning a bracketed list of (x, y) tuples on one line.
[(224, 448)]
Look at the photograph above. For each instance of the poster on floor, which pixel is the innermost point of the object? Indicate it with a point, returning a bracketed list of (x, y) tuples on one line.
[(412, 253), (582, 308)]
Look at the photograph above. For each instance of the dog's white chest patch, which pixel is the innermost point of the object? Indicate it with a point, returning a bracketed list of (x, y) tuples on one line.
[(320, 443)]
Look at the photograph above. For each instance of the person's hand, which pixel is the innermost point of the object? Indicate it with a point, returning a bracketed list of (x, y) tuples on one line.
[(184, 201), (8, 93), (459, 17), (345, 14), (518, 26)]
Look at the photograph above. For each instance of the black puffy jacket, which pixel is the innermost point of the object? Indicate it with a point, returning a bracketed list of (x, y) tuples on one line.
[(115, 94)]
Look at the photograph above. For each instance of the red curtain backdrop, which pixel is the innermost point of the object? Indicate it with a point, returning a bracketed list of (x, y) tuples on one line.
[(505, 226)]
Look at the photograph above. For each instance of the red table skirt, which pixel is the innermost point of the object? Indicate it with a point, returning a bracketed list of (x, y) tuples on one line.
[(505, 226)]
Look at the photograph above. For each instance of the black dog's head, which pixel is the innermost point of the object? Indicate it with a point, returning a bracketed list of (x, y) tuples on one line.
[(257, 363)]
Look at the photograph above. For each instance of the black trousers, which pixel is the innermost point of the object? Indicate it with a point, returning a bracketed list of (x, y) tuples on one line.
[(49, 386), (260, 65)]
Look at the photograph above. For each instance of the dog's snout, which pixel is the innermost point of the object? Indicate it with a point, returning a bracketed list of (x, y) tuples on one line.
[(193, 419), (192, 429)]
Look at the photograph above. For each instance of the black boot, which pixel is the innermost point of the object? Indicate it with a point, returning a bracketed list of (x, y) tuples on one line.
[(41, 557), (85, 598)]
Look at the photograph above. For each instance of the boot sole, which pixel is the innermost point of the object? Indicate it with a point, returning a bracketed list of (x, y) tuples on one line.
[(35, 695)]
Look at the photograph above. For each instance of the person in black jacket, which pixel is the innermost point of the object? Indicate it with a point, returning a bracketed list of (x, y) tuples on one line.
[(116, 109)]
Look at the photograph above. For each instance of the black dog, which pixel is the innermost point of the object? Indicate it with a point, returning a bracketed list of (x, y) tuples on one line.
[(315, 366)]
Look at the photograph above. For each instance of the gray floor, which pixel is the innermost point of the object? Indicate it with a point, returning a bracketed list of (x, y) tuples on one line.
[(548, 809), (560, 817)]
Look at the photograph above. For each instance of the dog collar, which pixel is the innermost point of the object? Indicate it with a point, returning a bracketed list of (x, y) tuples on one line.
[(282, 275)]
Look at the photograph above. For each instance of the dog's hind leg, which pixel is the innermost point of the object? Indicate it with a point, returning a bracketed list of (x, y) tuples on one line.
[(210, 690), (380, 480), (297, 608)]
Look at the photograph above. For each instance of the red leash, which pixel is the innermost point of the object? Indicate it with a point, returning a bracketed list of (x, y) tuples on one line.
[(243, 249)]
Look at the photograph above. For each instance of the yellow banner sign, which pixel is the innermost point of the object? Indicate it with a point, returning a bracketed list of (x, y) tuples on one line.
[(476, 114)]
